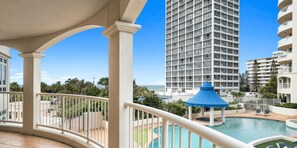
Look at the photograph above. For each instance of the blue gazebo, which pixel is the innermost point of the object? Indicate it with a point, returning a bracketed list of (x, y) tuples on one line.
[(207, 97)]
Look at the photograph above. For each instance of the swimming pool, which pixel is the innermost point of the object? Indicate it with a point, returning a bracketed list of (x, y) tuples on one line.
[(244, 129)]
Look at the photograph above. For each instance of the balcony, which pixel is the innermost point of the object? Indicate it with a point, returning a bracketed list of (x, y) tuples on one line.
[(286, 57), (283, 3), (86, 120), (284, 86), (285, 14), (285, 29), (285, 43), (284, 70)]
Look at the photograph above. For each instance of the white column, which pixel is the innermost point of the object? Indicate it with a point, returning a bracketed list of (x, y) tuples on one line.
[(223, 114), (31, 84), (211, 117), (190, 112), (202, 111), (120, 36)]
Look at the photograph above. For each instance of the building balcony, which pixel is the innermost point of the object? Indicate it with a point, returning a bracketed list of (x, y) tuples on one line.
[(284, 88), (284, 70), (283, 3), (285, 29), (85, 120), (285, 43), (286, 57), (285, 14)]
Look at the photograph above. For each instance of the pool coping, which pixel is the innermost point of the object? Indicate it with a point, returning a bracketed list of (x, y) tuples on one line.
[(255, 118)]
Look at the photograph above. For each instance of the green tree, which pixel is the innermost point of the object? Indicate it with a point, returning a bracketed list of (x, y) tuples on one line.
[(270, 89), (153, 101), (244, 82), (44, 87), (14, 86), (255, 80), (273, 67), (104, 82), (177, 107)]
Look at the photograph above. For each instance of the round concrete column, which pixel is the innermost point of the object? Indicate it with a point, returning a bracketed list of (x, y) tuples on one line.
[(211, 117), (190, 112), (223, 114)]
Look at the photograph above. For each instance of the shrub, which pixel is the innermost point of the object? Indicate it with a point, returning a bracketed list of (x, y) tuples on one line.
[(288, 105)]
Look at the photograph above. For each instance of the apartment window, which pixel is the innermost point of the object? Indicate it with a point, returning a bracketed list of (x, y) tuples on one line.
[(216, 13), (217, 77)]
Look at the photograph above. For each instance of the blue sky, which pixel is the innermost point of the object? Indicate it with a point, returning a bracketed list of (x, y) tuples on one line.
[(85, 55)]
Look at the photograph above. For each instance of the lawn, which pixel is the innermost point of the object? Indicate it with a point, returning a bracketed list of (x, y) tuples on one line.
[(138, 136), (264, 145)]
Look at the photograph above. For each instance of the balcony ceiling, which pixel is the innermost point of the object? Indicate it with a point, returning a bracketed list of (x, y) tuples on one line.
[(26, 18)]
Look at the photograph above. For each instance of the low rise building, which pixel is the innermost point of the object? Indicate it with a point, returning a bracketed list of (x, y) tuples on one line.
[(265, 68)]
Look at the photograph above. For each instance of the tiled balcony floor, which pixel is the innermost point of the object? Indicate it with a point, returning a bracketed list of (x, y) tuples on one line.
[(15, 140)]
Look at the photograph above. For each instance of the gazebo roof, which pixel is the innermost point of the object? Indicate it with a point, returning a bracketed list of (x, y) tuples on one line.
[(207, 97)]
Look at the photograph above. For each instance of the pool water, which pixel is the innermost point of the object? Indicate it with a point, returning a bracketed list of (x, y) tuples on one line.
[(243, 129)]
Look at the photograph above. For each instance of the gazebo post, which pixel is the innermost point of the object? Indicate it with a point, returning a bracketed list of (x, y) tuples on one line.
[(223, 114), (202, 111), (211, 116), (190, 112)]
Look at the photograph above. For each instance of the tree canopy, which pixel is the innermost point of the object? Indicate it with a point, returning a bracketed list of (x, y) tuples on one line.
[(270, 89)]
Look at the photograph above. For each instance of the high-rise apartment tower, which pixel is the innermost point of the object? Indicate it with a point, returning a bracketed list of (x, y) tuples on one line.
[(202, 44), (287, 75)]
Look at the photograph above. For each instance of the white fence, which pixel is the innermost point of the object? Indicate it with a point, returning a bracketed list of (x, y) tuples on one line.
[(84, 116)]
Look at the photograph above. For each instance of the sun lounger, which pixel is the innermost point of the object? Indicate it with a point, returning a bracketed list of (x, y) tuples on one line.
[(258, 111), (266, 112)]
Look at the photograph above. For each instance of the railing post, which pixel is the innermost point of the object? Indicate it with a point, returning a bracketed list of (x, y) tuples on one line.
[(165, 133), (88, 122), (63, 114)]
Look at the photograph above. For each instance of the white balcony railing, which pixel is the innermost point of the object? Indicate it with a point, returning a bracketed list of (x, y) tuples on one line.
[(150, 126), (284, 85), (285, 10), (11, 107), (284, 26), (284, 70), (87, 117), (285, 41), (84, 116)]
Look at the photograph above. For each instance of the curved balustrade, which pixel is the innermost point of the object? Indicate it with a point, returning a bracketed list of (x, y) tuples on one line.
[(84, 116), (146, 123)]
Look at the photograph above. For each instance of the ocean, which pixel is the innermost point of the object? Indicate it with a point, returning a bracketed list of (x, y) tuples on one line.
[(154, 87)]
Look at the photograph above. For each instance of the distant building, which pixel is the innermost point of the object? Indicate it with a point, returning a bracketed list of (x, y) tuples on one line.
[(287, 76), (202, 44), (4, 79), (265, 69)]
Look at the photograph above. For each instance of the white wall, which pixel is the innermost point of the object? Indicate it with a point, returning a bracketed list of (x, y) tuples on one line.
[(283, 111)]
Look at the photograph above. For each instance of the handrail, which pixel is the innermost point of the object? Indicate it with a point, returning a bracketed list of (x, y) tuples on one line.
[(73, 95), (214, 136), (11, 92)]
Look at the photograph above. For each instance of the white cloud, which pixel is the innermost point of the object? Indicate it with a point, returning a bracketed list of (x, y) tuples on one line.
[(17, 76), (46, 77)]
